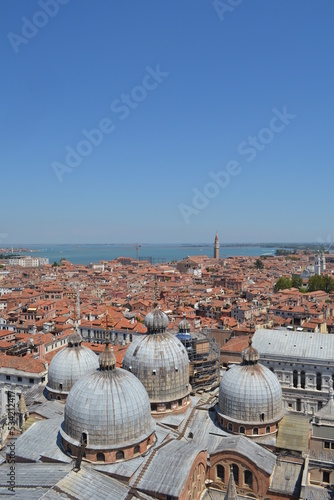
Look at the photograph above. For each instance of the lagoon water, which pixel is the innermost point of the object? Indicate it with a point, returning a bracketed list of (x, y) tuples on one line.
[(85, 254)]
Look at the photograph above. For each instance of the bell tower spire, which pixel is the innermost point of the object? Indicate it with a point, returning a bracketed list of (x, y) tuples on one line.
[(216, 248)]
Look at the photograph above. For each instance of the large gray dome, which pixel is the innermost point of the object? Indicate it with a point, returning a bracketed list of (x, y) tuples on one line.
[(111, 407), (161, 362), (70, 364), (250, 393)]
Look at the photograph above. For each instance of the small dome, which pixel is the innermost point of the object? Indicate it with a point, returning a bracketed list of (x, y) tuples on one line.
[(156, 321), (184, 325), (69, 364), (111, 407), (250, 393)]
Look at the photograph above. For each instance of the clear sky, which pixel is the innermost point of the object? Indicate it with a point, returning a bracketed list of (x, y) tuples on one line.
[(180, 89)]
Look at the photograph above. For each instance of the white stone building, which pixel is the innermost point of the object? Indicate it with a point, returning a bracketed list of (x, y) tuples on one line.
[(303, 363)]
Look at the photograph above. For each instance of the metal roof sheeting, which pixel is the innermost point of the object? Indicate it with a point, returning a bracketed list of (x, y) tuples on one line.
[(285, 343)]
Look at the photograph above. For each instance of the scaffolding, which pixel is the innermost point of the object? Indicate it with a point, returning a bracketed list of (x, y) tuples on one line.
[(204, 363)]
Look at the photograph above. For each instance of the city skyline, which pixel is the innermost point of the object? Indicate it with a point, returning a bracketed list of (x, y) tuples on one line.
[(166, 122)]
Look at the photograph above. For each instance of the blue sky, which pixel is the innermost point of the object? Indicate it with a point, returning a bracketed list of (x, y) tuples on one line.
[(219, 74)]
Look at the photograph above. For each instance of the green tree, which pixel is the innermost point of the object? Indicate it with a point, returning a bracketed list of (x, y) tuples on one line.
[(325, 283), (259, 264), (282, 283), (297, 282)]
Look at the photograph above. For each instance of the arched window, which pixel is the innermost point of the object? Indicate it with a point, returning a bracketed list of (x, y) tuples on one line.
[(60, 387), (100, 457), (302, 380), (120, 455), (299, 405), (242, 430), (220, 472), (136, 449), (262, 417), (235, 470), (248, 478), (267, 429), (230, 427), (318, 381), (295, 378), (255, 431), (84, 438)]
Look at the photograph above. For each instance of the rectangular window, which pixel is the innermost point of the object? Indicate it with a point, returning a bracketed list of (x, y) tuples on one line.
[(325, 476), (19, 379), (7, 377), (326, 444), (31, 381)]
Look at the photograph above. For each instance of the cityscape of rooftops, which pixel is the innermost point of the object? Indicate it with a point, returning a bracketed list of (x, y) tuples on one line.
[(167, 250)]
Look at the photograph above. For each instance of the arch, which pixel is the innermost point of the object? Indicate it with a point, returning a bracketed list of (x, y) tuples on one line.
[(230, 427), (302, 379), (268, 429), (220, 472), (242, 430), (262, 417), (100, 457), (58, 398), (120, 455), (255, 431), (248, 478), (235, 470), (136, 449)]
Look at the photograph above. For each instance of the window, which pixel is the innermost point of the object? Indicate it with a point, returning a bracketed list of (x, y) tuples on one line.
[(248, 478), (262, 417), (326, 444), (101, 458), (295, 378), (299, 405), (84, 438), (230, 427), (7, 377), (19, 379), (120, 455), (220, 472), (267, 429), (136, 449), (235, 470), (318, 381), (31, 380), (60, 387), (325, 476), (255, 431), (242, 430), (302, 380)]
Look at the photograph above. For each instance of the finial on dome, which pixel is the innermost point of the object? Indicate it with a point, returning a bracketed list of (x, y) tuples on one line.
[(250, 355), (107, 358), (75, 339)]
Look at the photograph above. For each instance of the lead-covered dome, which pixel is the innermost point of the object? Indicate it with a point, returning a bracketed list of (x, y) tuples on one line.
[(109, 411), (68, 365), (160, 361), (250, 394)]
